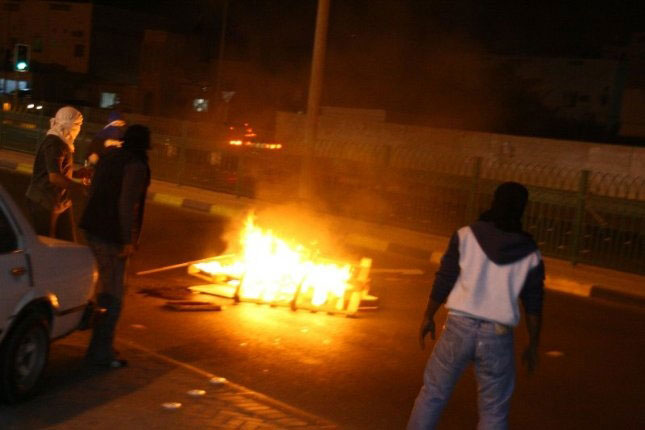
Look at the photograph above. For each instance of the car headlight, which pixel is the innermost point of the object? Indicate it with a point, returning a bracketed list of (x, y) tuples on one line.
[(53, 299)]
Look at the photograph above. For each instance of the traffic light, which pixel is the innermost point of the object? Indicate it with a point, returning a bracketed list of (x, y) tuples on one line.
[(21, 54)]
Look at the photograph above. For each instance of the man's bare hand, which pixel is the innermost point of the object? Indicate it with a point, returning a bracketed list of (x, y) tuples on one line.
[(427, 326), (82, 173), (127, 251), (530, 358)]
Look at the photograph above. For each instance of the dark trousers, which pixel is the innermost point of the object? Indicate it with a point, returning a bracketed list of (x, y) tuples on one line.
[(109, 295), (46, 222)]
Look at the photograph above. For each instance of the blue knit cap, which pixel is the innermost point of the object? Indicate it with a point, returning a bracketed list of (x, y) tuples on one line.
[(114, 116), (115, 127)]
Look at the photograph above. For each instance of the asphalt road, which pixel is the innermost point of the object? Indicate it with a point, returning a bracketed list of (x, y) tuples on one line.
[(364, 372)]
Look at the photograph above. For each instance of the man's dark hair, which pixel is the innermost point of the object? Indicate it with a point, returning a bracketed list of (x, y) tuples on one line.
[(508, 205), (137, 140)]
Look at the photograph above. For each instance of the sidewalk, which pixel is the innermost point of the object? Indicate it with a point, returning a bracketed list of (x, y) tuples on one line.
[(154, 393), (562, 276)]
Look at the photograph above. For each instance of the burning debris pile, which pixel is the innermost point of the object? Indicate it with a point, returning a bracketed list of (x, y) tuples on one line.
[(270, 270)]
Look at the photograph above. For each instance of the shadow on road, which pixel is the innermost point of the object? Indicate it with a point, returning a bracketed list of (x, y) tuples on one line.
[(71, 387)]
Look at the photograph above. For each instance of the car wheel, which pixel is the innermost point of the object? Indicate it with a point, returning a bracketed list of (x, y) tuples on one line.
[(24, 355)]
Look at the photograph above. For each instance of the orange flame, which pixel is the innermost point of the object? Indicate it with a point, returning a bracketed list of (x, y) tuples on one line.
[(271, 270)]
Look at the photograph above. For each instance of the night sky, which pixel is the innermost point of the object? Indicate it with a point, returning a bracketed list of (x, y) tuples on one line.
[(421, 58), (553, 28)]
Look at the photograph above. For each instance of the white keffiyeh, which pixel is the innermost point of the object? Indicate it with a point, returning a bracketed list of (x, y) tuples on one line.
[(66, 125)]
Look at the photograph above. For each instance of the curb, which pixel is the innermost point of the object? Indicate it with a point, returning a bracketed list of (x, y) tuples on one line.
[(196, 205), (18, 167), (600, 292), (372, 243)]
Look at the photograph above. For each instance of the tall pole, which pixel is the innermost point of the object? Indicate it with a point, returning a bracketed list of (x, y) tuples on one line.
[(305, 191)]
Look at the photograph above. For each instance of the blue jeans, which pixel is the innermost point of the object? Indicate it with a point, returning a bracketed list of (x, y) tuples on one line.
[(463, 341)]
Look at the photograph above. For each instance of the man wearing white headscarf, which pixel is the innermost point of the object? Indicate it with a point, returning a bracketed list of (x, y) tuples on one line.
[(48, 195)]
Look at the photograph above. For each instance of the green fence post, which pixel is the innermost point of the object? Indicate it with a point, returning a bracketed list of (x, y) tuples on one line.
[(41, 129), (471, 206), (37, 135), (40, 126), (181, 153), (239, 175), (2, 127), (578, 223)]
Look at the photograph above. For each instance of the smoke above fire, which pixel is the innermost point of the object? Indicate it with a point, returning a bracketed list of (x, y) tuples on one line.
[(295, 224)]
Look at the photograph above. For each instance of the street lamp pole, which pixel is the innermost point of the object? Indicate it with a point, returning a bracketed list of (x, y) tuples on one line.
[(305, 191)]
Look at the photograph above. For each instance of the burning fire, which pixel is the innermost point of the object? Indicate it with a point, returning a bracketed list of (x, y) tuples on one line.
[(269, 269)]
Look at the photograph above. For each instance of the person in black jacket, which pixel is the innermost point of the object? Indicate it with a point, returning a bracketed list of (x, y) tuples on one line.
[(48, 195), (112, 223)]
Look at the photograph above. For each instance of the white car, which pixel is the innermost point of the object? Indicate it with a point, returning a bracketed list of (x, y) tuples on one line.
[(46, 287)]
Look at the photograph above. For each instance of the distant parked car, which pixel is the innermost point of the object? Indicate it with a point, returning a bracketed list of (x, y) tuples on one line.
[(46, 286)]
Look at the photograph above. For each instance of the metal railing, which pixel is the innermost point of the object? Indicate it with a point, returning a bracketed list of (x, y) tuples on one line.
[(578, 215)]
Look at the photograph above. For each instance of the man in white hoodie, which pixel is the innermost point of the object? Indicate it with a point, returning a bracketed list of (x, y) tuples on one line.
[(489, 266)]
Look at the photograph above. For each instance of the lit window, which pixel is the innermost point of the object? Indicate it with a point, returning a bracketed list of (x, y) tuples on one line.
[(200, 105), (108, 100)]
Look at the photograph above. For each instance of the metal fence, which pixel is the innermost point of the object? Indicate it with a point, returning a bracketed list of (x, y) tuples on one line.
[(578, 215)]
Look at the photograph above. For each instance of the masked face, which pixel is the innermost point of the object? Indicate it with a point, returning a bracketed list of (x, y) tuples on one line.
[(74, 131)]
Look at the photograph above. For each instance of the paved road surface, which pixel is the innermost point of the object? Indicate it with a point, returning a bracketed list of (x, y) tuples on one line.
[(364, 373)]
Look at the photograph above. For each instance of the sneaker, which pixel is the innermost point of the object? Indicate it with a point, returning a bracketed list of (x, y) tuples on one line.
[(115, 363), (118, 363)]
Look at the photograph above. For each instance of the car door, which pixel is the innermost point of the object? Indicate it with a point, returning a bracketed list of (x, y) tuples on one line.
[(15, 276)]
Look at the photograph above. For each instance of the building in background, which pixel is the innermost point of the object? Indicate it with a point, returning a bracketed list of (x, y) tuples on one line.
[(58, 36), (173, 80), (580, 93), (115, 60), (58, 32), (632, 115), (200, 62)]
